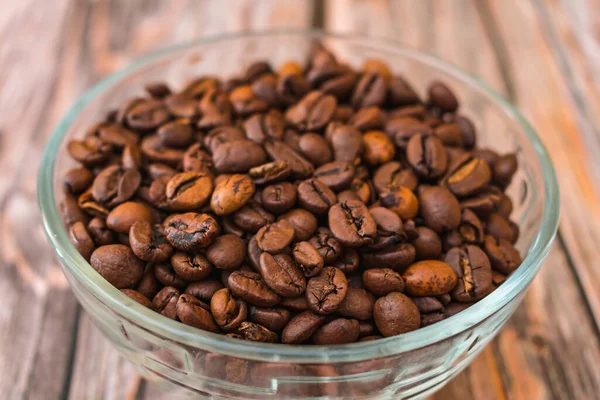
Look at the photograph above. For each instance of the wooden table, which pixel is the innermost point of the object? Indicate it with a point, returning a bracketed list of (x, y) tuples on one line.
[(543, 55)]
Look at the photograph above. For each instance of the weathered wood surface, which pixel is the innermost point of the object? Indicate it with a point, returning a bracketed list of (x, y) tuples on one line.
[(543, 55)]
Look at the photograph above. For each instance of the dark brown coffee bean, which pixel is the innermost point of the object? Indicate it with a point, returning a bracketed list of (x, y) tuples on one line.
[(231, 194), (81, 239), (379, 149), (77, 180), (381, 281), (498, 278), (449, 134), (439, 208), (400, 93), (304, 223), (265, 88), (427, 156), (216, 109), (315, 149), (274, 319), (348, 262), (265, 127), (132, 157), (166, 275), (337, 175), (149, 243), (90, 151), (369, 91), (123, 216), (178, 133), (157, 90), (429, 278), (203, 290), (245, 102), (396, 257), (272, 172), (227, 252), (191, 267), (197, 160), (90, 206), (389, 228), (257, 333), (291, 88), (474, 273), (118, 265), (346, 141), (369, 118), (327, 245), (282, 275), (395, 314), (222, 134), (182, 106), (468, 176), (428, 245), (137, 297), (165, 302), (250, 287), (470, 229), (357, 304), (252, 217), (403, 128), (190, 231), (279, 197), (193, 312), (352, 224), (115, 185), (275, 237), (315, 196), (228, 312), (442, 97), (154, 151), (308, 258), (300, 166), (393, 175), (338, 331), (238, 156), (502, 254), (302, 327), (504, 169), (188, 191), (295, 304), (428, 305), (326, 291), (147, 115), (501, 228), (312, 112), (401, 200), (99, 232)]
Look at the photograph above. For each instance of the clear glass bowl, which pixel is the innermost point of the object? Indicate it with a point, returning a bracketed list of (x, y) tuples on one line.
[(200, 363)]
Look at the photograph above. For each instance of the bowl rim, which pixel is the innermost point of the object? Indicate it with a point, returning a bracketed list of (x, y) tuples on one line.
[(157, 324)]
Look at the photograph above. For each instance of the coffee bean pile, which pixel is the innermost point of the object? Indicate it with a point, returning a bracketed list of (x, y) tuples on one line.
[(317, 204)]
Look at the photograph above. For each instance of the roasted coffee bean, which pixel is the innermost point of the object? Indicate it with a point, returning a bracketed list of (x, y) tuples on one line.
[(132, 157), (396, 257), (250, 287), (99, 232), (428, 305), (182, 106), (429, 278), (304, 223), (157, 90), (203, 290), (265, 88), (274, 319), (282, 275), (257, 333), (87, 203), (389, 228), (296, 304), (137, 297), (252, 217), (123, 216), (279, 197), (439, 208), (337, 175), (370, 90), (315, 149), (474, 273), (193, 312), (191, 267), (381, 281), (302, 327), (238, 156), (165, 302), (275, 237), (227, 252), (90, 151), (230, 227), (308, 258), (392, 175), (188, 191), (153, 149), (504, 170), (379, 149), (327, 245), (395, 314), (222, 134), (231, 194), (216, 109), (166, 275), (147, 115), (245, 102), (326, 291), (197, 160), (346, 142), (348, 262), (401, 200), (428, 245), (300, 166), (190, 231), (501, 228), (148, 242), (470, 229), (352, 224), (77, 180), (502, 254), (178, 133), (148, 285), (315, 196), (357, 304), (81, 239), (468, 176), (291, 88), (228, 312), (449, 134), (442, 97), (262, 127), (400, 93), (115, 185), (338, 331), (498, 278), (369, 118), (427, 156), (312, 112), (272, 172), (401, 129), (118, 265)]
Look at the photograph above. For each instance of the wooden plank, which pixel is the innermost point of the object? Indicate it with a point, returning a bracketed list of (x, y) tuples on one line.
[(526, 360)]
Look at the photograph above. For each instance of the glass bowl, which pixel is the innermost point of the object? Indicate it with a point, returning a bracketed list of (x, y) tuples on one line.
[(198, 363)]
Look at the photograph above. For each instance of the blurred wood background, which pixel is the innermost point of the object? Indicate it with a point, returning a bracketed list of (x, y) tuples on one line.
[(543, 55)]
